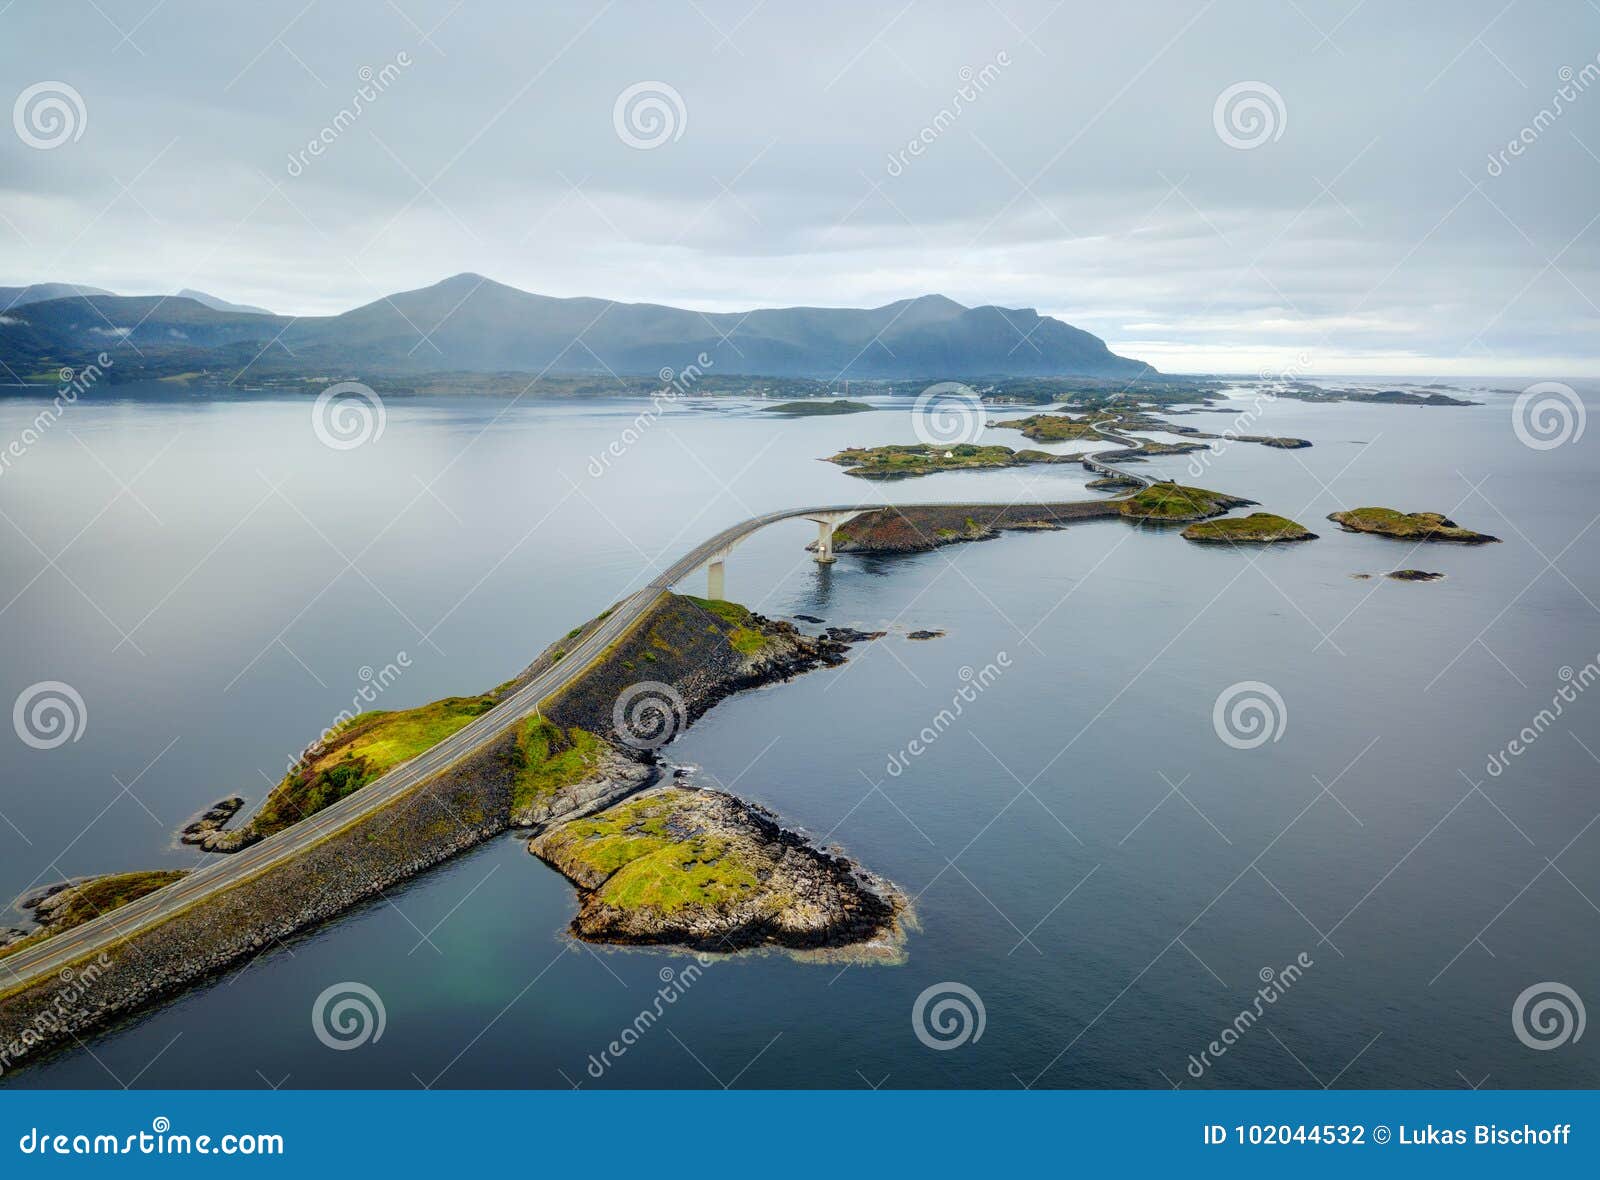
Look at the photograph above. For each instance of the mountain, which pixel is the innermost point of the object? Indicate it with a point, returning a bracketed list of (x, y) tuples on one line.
[(472, 324), (38, 292), (216, 304)]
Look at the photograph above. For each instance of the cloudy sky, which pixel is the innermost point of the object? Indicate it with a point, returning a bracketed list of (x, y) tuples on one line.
[(1348, 209)]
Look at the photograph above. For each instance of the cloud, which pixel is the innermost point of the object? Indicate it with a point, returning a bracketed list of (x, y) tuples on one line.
[(1086, 180)]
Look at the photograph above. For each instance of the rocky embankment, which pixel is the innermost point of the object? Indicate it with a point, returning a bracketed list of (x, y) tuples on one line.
[(547, 772)]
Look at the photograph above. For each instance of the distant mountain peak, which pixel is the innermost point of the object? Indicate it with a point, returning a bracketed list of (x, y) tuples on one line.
[(39, 292), (216, 304)]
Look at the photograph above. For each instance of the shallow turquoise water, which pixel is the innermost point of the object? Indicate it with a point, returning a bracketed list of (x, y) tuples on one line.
[(1089, 858)]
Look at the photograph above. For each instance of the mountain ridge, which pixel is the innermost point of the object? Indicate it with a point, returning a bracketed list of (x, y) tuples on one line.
[(470, 323)]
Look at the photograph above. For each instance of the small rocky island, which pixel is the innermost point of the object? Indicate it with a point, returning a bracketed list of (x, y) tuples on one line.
[(1114, 425), (1408, 526), (909, 460), (1259, 528), (817, 408), (1175, 503), (705, 870)]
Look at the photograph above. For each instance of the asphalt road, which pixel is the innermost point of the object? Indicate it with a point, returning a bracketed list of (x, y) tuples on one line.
[(30, 965)]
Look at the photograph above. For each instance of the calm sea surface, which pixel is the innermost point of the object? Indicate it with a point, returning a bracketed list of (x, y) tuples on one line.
[(1108, 876)]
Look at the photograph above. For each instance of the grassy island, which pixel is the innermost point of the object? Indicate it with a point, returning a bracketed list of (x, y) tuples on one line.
[(909, 460), (1408, 526), (1053, 428), (1259, 528), (816, 409), (1177, 503), (702, 869)]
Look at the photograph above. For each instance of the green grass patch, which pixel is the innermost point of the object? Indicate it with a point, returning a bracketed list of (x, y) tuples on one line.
[(1171, 501), (745, 637), (1419, 526), (704, 872), (1257, 527), (647, 865), (85, 902), (617, 836), (104, 894), (1052, 428), (364, 748), (728, 612), (551, 758), (913, 459)]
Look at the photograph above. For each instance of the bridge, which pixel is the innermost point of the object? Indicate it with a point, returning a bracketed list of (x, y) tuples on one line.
[(24, 968)]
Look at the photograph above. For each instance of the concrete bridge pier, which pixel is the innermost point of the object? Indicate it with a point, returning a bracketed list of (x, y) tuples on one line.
[(824, 553), (826, 523), (716, 577)]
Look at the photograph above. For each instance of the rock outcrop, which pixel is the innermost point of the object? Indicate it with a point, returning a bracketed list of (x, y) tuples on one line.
[(705, 870)]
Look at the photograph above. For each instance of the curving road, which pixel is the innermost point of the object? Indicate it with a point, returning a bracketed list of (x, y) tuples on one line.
[(1103, 465), (26, 967)]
